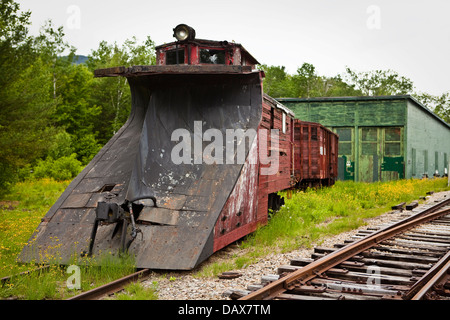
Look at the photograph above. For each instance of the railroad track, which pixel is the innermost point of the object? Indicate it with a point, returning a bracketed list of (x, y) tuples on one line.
[(406, 260), (112, 287), (95, 293)]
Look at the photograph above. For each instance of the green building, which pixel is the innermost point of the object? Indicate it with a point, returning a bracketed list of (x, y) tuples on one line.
[(380, 138)]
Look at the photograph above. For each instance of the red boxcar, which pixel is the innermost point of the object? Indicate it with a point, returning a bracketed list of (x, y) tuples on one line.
[(315, 154), (276, 116)]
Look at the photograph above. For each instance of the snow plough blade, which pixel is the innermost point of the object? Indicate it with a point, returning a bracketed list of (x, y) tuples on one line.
[(151, 190)]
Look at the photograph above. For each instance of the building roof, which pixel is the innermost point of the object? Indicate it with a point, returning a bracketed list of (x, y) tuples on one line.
[(365, 98)]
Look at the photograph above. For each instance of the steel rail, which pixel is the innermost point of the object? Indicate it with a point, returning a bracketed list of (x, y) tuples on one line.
[(317, 267), (112, 287), (426, 283), (24, 273)]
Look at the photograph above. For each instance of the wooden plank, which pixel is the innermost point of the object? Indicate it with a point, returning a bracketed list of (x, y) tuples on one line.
[(398, 206), (110, 72), (364, 277), (287, 296), (155, 215), (181, 69), (412, 205)]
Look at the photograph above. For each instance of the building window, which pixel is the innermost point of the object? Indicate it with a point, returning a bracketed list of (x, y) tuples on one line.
[(436, 161), (345, 141), (284, 122), (369, 141), (369, 149), (392, 141), (445, 161), (369, 134), (345, 134), (392, 149), (425, 162), (392, 134)]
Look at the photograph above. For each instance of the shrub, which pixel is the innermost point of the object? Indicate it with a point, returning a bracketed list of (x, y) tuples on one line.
[(86, 148), (7, 177), (61, 145), (64, 168)]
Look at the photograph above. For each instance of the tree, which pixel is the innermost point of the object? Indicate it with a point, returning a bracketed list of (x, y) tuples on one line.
[(113, 94), (305, 84), (440, 105), (277, 82), (379, 82), (51, 45), (25, 106), (336, 87), (71, 90), (76, 113)]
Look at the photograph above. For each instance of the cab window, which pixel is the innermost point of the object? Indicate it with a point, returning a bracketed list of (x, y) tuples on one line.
[(212, 56), (171, 56)]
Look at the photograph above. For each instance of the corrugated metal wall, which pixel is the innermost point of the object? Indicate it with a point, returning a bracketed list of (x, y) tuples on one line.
[(428, 144)]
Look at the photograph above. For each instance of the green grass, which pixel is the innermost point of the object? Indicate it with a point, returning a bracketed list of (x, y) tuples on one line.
[(21, 211), (136, 291)]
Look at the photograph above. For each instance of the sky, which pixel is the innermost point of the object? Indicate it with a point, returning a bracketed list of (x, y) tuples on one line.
[(410, 37)]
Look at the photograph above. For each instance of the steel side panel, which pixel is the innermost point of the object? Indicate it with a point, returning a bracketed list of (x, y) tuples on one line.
[(239, 215)]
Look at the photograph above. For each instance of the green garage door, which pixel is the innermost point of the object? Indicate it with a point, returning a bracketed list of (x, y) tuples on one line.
[(380, 154), (346, 159)]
